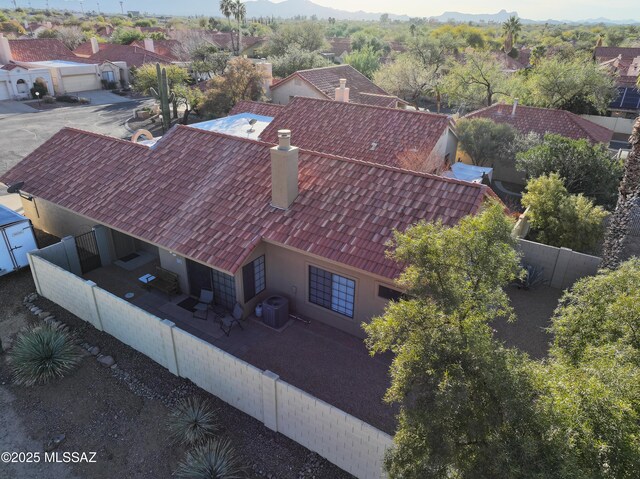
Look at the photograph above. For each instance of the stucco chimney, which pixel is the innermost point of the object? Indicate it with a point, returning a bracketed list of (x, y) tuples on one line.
[(95, 47), (284, 171), (5, 50), (342, 92), (515, 107), (148, 45), (266, 69)]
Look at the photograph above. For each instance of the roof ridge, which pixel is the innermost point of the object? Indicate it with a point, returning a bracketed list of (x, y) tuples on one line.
[(100, 135), (365, 105)]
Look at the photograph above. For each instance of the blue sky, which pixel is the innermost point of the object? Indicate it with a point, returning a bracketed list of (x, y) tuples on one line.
[(535, 10)]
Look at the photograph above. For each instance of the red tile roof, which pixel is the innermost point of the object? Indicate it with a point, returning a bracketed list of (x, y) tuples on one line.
[(257, 108), (207, 196), (369, 133), (545, 120), (166, 48), (339, 45), (39, 50), (608, 53), (327, 79), (133, 56), (84, 49), (387, 101)]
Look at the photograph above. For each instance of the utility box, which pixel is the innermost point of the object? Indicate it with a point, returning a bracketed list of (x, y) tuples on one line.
[(275, 311), (16, 240)]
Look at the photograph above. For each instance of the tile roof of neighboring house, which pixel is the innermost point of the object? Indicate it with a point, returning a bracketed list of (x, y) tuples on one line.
[(257, 108), (338, 45), (545, 120), (369, 133), (608, 53), (387, 101), (133, 56), (327, 79), (166, 48), (39, 50), (84, 49), (13, 66), (207, 196)]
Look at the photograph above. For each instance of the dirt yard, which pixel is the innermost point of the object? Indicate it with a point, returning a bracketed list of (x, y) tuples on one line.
[(119, 413)]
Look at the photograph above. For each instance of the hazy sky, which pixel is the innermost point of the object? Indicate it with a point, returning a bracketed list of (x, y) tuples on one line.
[(535, 10)]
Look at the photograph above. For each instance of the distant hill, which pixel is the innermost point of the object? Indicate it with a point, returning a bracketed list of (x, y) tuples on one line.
[(306, 8), (499, 17)]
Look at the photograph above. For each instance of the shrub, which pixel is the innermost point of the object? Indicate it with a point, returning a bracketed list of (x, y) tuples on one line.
[(215, 459), (48, 99), (67, 99), (193, 421), (41, 354), (84, 101), (40, 88)]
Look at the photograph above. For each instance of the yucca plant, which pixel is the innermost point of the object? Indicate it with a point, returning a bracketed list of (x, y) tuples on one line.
[(216, 459), (42, 353), (192, 422)]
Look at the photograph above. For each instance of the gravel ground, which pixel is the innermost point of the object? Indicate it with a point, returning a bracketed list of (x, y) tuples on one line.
[(120, 413)]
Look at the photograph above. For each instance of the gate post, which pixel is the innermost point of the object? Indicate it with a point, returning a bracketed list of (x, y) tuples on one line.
[(102, 241), (69, 243)]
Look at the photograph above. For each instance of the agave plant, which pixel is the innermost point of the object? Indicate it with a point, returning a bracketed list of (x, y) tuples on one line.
[(42, 353), (192, 422), (216, 459)]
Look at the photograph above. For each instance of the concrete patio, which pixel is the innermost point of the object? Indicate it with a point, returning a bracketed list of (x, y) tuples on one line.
[(330, 364)]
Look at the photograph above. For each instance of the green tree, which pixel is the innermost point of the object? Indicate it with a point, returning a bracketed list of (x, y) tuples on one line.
[(126, 36), (467, 404), (366, 61), (475, 81), (189, 97), (362, 40), (227, 9), (146, 77), (239, 11), (511, 29), (486, 142), (307, 36), (294, 59), (408, 78), (561, 219), (578, 85), (585, 168)]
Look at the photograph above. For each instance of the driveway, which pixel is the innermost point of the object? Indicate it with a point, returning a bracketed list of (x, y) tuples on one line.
[(10, 107), (21, 134), (102, 97)]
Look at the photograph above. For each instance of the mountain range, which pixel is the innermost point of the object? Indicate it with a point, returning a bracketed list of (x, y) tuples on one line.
[(285, 9)]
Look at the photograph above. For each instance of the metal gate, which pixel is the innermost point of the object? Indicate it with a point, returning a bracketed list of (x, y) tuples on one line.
[(88, 253)]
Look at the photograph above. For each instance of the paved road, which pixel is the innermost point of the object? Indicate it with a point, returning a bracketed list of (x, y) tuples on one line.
[(22, 133)]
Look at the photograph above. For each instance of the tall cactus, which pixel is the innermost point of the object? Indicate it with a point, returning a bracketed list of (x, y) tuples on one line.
[(164, 96)]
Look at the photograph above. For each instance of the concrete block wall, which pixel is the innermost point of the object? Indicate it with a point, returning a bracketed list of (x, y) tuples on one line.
[(344, 440), (562, 266)]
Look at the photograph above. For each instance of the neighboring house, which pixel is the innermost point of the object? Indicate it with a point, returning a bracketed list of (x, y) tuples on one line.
[(243, 217), (624, 63), (130, 55), (68, 72), (256, 107), (338, 49), (16, 81), (322, 83), (528, 119), (166, 48)]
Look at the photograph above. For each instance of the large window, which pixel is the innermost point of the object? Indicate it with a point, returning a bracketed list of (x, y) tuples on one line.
[(391, 294), (331, 291), (253, 278), (224, 289)]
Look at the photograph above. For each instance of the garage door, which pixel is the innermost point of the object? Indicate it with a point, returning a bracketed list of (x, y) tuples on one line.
[(4, 91), (75, 83)]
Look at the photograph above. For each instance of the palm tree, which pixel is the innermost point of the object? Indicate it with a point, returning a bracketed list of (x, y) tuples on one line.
[(240, 14), (227, 9), (511, 29), (628, 199)]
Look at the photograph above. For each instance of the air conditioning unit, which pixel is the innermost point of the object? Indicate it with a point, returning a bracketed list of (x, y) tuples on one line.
[(275, 311)]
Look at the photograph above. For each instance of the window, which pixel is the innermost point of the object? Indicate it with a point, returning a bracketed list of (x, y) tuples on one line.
[(253, 278), (21, 86), (391, 294), (224, 289), (108, 76), (331, 291)]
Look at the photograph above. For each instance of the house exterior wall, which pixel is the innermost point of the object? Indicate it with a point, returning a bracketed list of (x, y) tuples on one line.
[(283, 92), (29, 76), (55, 220), (176, 264), (501, 171), (447, 144)]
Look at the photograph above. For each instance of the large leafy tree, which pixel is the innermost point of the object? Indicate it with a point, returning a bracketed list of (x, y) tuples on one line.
[(307, 36), (476, 80), (485, 141), (294, 59), (559, 218), (585, 168), (365, 60), (467, 403), (407, 79)]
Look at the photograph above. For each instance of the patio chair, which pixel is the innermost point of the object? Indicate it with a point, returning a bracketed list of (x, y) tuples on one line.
[(204, 304), (227, 322)]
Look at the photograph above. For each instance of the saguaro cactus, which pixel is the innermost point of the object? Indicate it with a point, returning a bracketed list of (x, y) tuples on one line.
[(164, 96)]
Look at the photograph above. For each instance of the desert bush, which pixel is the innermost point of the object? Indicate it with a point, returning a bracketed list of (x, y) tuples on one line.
[(215, 459), (84, 101), (67, 98), (48, 99), (42, 353), (193, 421)]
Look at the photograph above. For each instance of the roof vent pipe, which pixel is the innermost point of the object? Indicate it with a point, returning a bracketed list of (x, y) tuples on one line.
[(515, 106)]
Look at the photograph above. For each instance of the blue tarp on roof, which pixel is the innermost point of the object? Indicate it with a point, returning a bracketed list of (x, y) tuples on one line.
[(8, 216), (462, 171)]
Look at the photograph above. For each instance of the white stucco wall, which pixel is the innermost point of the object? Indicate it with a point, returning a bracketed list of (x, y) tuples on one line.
[(294, 87)]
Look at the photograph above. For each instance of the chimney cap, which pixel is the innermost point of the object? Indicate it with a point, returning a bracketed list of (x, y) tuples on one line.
[(343, 81), (284, 139)]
